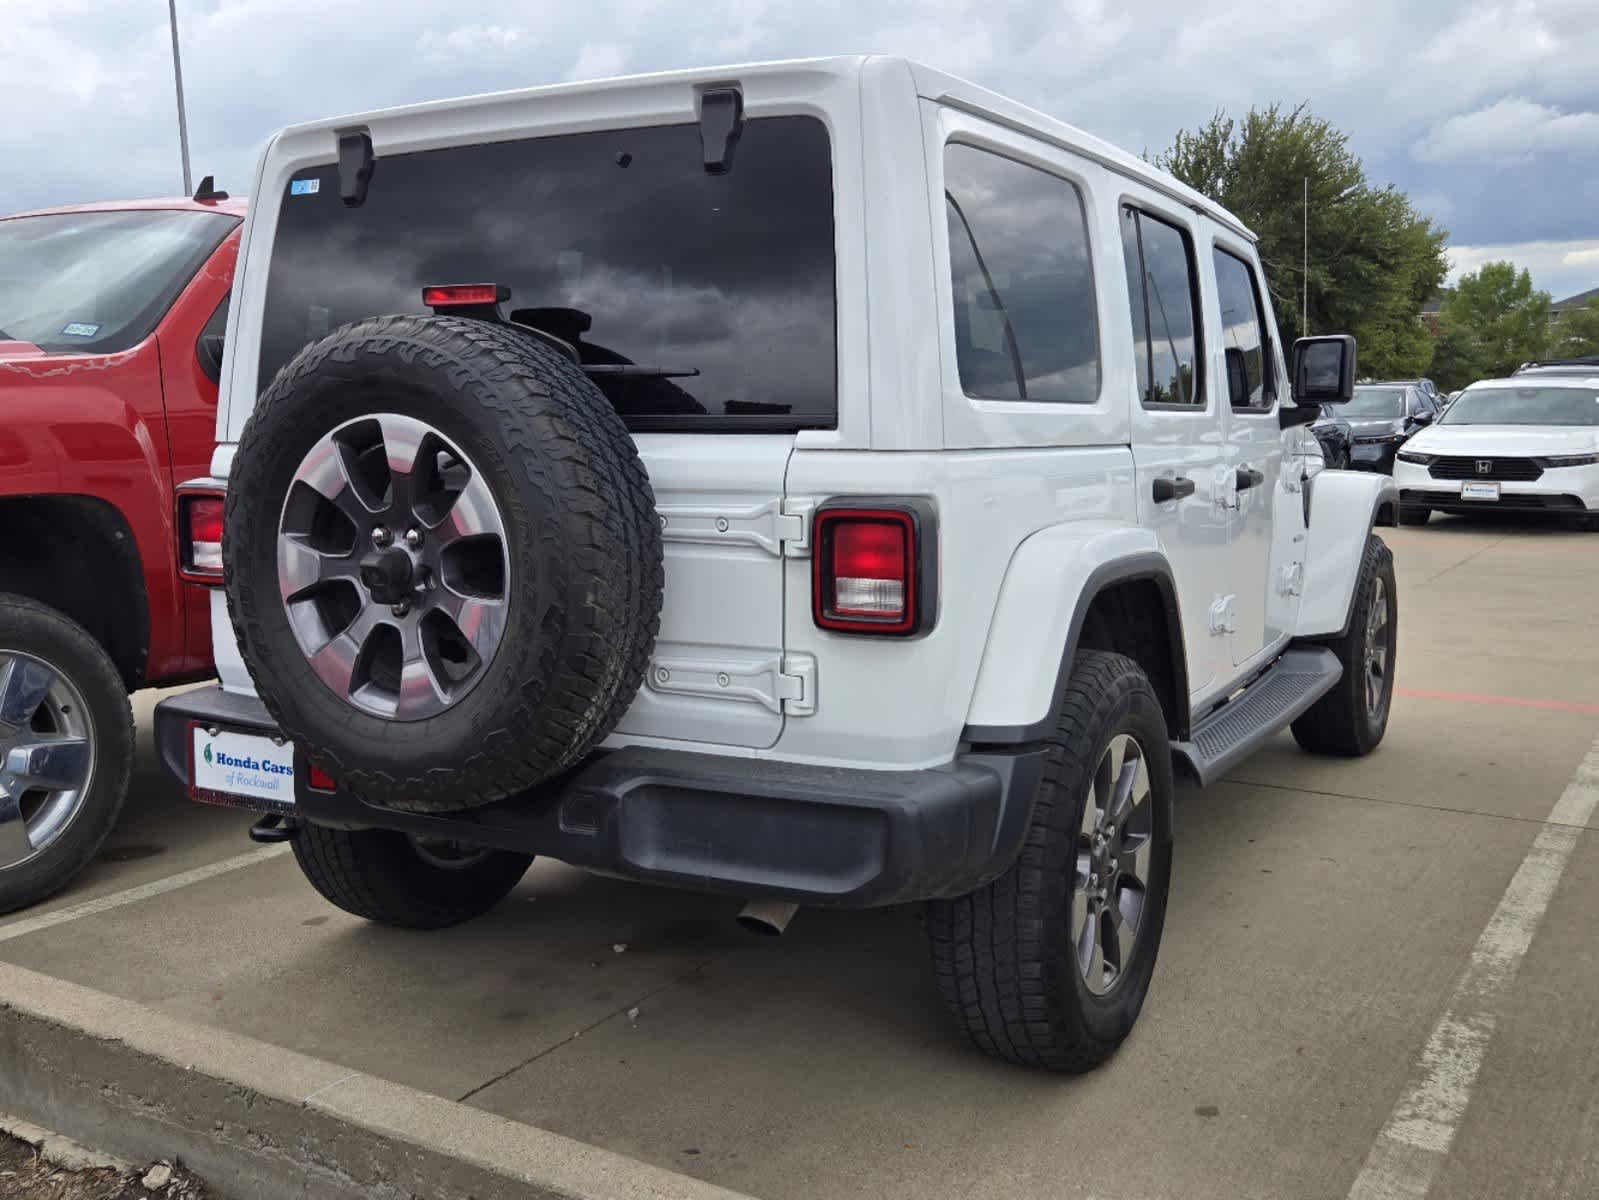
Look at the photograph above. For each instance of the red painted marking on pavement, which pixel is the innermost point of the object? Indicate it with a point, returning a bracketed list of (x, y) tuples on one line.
[(1505, 701)]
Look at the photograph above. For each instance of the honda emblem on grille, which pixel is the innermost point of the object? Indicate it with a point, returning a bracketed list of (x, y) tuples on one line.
[(1485, 466)]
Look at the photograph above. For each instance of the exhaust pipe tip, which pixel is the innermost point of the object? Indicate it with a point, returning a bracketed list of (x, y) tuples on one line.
[(767, 918)]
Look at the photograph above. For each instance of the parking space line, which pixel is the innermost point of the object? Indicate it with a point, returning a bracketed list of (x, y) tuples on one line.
[(133, 895), (1506, 701), (1405, 1158)]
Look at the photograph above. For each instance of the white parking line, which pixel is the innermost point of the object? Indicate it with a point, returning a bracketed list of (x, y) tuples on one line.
[(1406, 1156), (133, 895)]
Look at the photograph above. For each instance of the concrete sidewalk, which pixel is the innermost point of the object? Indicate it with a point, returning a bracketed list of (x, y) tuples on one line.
[(1322, 915)]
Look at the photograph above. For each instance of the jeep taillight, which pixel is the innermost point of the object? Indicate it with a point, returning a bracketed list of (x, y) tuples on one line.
[(873, 568), (200, 535)]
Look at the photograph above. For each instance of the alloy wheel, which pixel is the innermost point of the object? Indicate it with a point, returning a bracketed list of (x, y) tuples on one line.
[(1377, 651), (46, 755), (393, 567), (1115, 842)]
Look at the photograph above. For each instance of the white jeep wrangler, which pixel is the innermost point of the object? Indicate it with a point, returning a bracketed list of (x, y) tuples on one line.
[(826, 483)]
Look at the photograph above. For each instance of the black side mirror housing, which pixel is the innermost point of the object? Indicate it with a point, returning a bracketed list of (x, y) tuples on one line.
[(209, 351), (1424, 418), (1323, 369)]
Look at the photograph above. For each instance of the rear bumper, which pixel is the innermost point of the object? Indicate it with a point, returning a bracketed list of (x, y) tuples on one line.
[(814, 835)]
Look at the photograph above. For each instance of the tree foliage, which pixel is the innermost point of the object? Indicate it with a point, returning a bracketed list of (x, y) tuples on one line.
[(1493, 321), (1374, 260), (1576, 332)]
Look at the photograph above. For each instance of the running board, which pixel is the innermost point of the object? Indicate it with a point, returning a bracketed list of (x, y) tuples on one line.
[(1302, 676)]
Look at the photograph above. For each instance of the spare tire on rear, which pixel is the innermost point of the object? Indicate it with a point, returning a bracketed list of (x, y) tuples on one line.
[(442, 560)]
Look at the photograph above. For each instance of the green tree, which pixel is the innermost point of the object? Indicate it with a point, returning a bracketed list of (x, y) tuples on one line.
[(1374, 260), (1492, 322), (1575, 332)]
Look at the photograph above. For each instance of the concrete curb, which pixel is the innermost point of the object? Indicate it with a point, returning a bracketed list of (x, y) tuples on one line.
[(262, 1123)]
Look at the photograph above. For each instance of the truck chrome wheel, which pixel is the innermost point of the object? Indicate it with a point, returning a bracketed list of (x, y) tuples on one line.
[(46, 755), (1114, 843), (393, 567), (1377, 646)]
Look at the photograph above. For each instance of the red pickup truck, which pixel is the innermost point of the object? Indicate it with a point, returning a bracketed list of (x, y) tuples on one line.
[(111, 329)]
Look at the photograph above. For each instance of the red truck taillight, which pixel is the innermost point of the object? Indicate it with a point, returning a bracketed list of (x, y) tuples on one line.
[(873, 569), (200, 534)]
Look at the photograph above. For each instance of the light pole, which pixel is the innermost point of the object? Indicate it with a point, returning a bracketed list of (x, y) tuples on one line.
[(177, 76)]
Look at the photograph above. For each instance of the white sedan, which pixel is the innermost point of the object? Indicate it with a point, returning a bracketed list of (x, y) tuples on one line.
[(1523, 445)]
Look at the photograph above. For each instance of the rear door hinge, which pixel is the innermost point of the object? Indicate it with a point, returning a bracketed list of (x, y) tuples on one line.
[(795, 527), (796, 686)]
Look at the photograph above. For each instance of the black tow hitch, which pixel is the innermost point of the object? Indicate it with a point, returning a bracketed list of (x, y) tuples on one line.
[(274, 828)]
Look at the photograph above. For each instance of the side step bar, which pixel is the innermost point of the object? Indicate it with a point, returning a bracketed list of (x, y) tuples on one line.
[(1224, 738)]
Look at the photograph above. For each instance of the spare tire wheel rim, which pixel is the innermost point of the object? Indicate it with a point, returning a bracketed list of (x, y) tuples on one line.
[(1110, 892), (46, 755), (393, 567)]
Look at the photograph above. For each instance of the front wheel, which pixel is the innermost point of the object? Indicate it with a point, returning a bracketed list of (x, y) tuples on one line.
[(412, 883), (1048, 965), (1352, 718), (66, 749)]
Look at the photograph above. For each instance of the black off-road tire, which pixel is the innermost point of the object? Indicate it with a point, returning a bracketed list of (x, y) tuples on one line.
[(47, 635), (1411, 514), (581, 533), (1344, 722), (380, 875), (1003, 955)]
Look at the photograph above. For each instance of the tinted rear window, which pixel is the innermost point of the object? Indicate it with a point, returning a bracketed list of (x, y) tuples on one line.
[(619, 242)]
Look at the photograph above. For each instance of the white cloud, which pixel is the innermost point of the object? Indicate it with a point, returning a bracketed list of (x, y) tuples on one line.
[(1561, 268), (468, 41), (1512, 131), (597, 60)]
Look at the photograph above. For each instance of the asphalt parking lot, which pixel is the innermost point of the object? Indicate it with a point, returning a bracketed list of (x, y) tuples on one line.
[(1377, 978)]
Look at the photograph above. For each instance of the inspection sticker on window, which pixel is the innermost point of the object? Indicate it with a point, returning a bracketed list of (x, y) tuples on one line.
[(80, 329), (244, 768), (305, 187)]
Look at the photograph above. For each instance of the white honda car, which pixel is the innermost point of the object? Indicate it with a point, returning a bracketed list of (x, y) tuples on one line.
[(1527, 444)]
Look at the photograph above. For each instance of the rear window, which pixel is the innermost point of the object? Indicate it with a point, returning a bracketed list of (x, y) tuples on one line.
[(720, 286), (99, 282)]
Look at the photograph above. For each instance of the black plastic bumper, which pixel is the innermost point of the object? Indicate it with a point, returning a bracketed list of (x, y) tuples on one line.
[(1373, 456), (814, 835), (1517, 502)]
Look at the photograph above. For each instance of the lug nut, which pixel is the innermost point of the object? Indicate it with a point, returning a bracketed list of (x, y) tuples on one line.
[(413, 538), (381, 536), (400, 609)]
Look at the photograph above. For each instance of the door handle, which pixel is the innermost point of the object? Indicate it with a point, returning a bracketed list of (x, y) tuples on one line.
[(1248, 477), (1168, 488)]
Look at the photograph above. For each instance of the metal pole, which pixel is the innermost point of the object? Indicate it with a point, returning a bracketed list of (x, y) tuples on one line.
[(177, 76), (1303, 269)]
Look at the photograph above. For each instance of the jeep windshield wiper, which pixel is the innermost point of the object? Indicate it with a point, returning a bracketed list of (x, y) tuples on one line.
[(638, 370)]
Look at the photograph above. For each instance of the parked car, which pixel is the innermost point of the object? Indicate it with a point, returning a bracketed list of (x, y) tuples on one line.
[(1529, 443), (1382, 416), (1336, 435), (110, 341), (521, 567), (1586, 366)]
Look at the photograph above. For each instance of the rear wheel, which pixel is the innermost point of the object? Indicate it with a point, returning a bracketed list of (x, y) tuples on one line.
[(412, 883), (1352, 718), (66, 749), (1048, 965)]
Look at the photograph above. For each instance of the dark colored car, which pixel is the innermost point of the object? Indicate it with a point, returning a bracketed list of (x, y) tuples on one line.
[(1336, 435), (111, 319), (1383, 415)]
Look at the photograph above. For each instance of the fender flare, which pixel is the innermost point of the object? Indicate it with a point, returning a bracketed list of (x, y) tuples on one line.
[(1147, 563), (1343, 508)]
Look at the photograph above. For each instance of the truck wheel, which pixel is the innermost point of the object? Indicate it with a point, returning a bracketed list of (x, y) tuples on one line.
[(1352, 718), (1048, 965), (66, 749), (1411, 515), (394, 879), (443, 560)]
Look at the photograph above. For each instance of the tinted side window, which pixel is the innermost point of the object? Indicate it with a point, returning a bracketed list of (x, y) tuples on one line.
[(1243, 322), (1161, 292), (716, 292), (1025, 321)]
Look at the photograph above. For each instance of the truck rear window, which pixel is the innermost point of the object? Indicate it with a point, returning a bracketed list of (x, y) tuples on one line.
[(618, 242)]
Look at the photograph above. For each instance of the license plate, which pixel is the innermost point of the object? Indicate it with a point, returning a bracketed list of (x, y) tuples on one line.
[(1479, 491), (243, 769)]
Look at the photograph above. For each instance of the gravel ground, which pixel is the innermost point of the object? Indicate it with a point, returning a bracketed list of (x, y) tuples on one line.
[(24, 1172)]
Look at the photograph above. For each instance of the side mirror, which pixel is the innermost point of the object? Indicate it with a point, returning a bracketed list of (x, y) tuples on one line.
[(1237, 377), (209, 351), (1424, 417), (1323, 369)]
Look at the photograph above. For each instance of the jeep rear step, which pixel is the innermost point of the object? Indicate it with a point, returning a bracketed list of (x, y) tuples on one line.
[(1302, 676)]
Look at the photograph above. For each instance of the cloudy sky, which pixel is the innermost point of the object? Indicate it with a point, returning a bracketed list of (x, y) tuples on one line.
[(1485, 111)]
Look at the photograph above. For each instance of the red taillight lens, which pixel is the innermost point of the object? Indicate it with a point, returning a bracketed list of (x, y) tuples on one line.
[(464, 295), (200, 536), (866, 570), (319, 780)]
